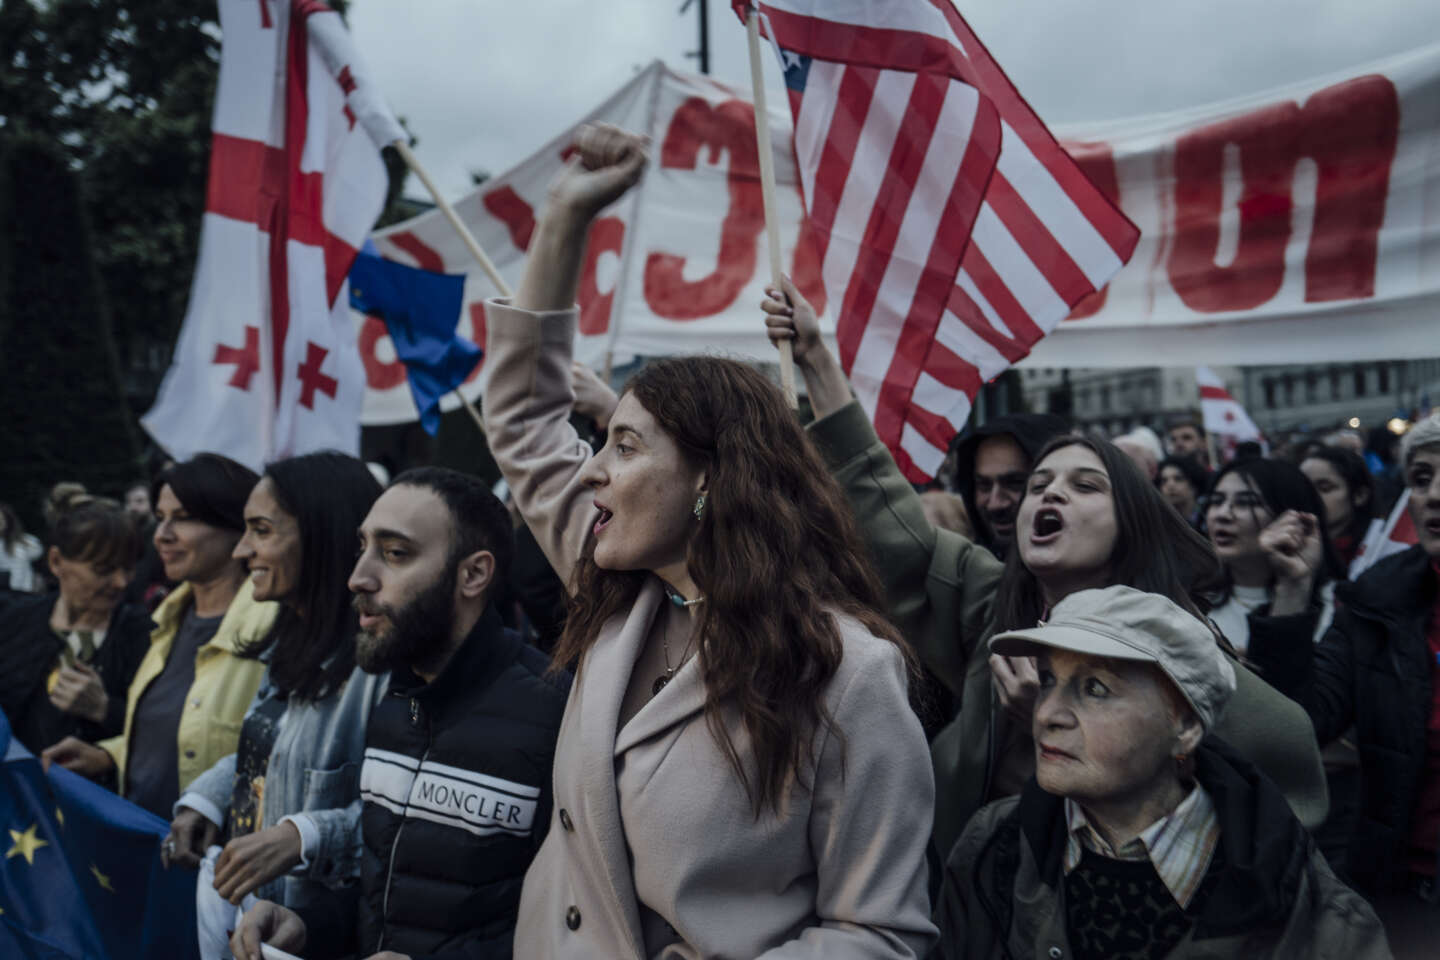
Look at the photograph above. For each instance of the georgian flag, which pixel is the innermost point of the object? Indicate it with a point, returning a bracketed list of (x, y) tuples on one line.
[(1385, 538), (267, 365), (1222, 413)]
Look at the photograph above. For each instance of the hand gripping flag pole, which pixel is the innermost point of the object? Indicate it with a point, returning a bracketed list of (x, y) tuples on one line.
[(767, 190)]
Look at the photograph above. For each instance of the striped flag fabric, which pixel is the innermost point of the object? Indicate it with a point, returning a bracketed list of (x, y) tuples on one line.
[(267, 364), (1222, 413), (1386, 537), (953, 231)]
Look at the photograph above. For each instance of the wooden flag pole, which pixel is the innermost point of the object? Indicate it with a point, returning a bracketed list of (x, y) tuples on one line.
[(413, 163), (767, 190)]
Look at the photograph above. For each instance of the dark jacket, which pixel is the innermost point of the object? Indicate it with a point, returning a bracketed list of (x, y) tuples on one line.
[(1371, 670), (941, 590), (1269, 893), (1030, 430), (457, 795), (29, 650)]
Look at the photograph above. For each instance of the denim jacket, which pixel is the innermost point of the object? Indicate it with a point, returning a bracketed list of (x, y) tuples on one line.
[(314, 769)]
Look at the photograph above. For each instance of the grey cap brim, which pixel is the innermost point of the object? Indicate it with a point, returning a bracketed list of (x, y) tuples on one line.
[(1033, 642)]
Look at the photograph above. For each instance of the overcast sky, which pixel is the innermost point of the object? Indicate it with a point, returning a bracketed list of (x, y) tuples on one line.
[(483, 83)]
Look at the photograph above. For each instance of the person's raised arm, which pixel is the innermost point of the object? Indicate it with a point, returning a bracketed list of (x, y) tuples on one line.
[(789, 316), (529, 391)]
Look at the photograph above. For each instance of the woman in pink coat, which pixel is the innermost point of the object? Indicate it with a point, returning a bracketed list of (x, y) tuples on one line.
[(739, 773)]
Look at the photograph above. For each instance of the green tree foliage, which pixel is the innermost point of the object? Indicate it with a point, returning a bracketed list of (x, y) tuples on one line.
[(60, 390)]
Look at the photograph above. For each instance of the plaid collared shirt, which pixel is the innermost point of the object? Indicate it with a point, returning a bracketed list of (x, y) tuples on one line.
[(1179, 845)]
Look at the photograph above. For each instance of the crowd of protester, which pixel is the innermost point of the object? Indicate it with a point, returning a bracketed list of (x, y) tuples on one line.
[(708, 683)]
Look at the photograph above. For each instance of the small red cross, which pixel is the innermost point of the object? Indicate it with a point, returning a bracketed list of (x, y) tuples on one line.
[(311, 379), (246, 358), (346, 80), (1229, 415)]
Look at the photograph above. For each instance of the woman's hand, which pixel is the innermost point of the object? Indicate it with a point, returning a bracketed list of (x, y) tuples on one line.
[(80, 757), (1292, 545), (270, 923), (1018, 684), (789, 316), (607, 162), (250, 861), (80, 691), (191, 834), (593, 396)]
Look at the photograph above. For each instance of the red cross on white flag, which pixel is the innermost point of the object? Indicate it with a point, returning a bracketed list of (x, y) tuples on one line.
[(266, 365), (1222, 412)]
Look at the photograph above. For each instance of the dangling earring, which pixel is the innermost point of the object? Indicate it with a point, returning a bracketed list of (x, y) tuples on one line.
[(699, 506)]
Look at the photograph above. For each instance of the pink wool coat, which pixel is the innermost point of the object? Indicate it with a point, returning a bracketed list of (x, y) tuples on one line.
[(653, 851)]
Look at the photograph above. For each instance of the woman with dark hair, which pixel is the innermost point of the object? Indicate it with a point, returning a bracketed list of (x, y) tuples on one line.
[(1344, 483), (738, 772), (191, 690), (18, 552), (1253, 512), (1140, 838), (286, 802), (67, 657), (1181, 481), (1088, 519)]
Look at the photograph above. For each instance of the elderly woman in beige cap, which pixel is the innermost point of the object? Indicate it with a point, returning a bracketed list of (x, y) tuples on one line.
[(1138, 837)]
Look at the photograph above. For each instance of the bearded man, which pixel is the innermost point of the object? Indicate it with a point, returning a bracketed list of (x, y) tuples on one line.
[(456, 780)]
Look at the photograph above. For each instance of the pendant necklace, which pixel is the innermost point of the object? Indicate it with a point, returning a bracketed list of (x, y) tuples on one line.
[(665, 677)]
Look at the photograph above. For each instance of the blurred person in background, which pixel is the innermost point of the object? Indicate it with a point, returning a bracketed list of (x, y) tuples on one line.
[(67, 656), (1347, 488), (1182, 482), (1143, 446), (191, 691), (1185, 437), (18, 552)]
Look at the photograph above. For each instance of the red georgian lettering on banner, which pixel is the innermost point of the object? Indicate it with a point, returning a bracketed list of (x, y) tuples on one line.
[(1097, 161), (425, 256), (510, 208), (805, 265), (607, 235), (379, 374), (728, 128), (1350, 131)]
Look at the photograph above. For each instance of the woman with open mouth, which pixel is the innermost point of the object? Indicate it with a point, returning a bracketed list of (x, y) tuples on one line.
[(738, 770), (1140, 837), (1088, 519)]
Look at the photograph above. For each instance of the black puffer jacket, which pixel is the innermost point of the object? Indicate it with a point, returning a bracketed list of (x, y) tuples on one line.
[(29, 650), (1372, 670), (457, 795)]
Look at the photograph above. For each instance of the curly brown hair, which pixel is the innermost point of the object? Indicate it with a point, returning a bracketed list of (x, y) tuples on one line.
[(776, 556)]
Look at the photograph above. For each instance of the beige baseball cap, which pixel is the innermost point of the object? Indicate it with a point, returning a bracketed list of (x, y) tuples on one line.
[(1128, 624)]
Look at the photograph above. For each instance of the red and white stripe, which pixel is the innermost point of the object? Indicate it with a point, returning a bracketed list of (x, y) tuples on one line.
[(267, 364), (1019, 233), (1385, 538)]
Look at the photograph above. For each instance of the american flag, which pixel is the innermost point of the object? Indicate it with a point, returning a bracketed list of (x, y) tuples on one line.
[(953, 231)]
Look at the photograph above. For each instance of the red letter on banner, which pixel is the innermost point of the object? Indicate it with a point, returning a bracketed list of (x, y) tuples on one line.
[(606, 236), (729, 127), (379, 374), (1266, 141), (510, 208), (1351, 131)]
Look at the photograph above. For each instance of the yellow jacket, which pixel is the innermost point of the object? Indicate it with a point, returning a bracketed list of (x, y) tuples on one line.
[(224, 684)]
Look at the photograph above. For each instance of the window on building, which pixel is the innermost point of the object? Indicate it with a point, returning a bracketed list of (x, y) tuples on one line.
[(1334, 383), (1269, 386), (1105, 398), (1384, 373), (1312, 386), (1359, 381), (1289, 391)]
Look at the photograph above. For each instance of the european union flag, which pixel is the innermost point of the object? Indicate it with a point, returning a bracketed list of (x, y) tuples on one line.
[(81, 878), (421, 310)]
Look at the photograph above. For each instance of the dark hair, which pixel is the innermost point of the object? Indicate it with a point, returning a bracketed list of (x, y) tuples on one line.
[(211, 488), (1156, 550), (775, 554), (329, 495), (14, 529), (1352, 469), (95, 530), (1282, 487), (479, 521), (1189, 468), (1189, 418)]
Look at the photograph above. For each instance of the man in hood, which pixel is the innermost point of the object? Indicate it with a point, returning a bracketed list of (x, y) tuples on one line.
[(992, 463)]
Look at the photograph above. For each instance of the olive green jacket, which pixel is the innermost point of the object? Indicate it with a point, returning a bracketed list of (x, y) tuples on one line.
[(941, 593)]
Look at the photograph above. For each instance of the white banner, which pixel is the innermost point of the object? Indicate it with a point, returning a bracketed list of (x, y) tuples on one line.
[(1299, 225)]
